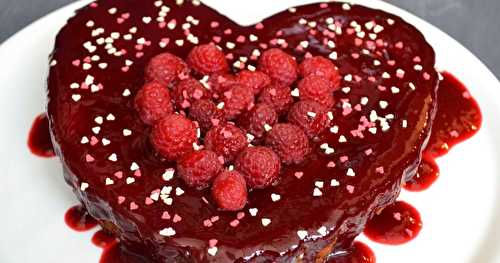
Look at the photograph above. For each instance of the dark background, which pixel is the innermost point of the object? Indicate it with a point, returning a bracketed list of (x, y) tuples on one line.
[(474, 23)]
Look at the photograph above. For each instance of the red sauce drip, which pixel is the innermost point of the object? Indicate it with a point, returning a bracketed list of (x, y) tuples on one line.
[(78, 219), (396, 224), (102, 239), (457, 119), (39, 141), (427, 174), (358, 253)]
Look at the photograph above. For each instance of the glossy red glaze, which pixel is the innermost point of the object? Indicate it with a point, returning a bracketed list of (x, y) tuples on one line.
[(395, 225), (457, 119), (103, 239), (77, 218), (39, 141), (338, 191), (427, 174), (358, 253)]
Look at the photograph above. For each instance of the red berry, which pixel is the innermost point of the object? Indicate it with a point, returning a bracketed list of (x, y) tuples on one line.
[(322, 67), (278, 97), (289, 142), (256, 120), (166, 68), (206, 114), (187, 91), (226, 140), (221, 82), (198, 168), (256, 80), (229, 191), (310, 116), (260, 166), (278, 65), (207, 59), (152, 102), (318, 89), (173, 136), (237, 100)]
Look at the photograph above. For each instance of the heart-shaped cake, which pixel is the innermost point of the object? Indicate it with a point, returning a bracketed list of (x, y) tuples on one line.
[(191, 138)]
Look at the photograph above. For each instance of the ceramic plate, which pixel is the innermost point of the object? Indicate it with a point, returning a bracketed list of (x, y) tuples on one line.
[(461, 211)]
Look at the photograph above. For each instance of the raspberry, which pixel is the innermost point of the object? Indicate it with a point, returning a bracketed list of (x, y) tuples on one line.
[(237, 100), (318, 89), (198, 168), (173, 136), (226, 140), (206, 114), (166, 68), (221, 82), (256, 80), (258, 119), (278, 97), (289, 142), (260, 166), (278, 65), (187, 91), (152, 102), (310, 116), (322, 67), (207, 59), (229, 191)]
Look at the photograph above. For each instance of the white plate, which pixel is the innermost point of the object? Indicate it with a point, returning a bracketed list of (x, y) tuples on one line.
[(460, 212)]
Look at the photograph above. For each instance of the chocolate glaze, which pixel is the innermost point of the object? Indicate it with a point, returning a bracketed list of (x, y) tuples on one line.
[(393, 69)]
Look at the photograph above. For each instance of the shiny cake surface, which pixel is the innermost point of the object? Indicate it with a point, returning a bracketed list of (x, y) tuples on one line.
[(381, 123)]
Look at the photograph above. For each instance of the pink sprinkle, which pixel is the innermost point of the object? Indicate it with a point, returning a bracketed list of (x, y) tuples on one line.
[(355, 55), (227, 134), (121, 199), (207, 223), (119, 174), (139, 54), (272, 92), (93, 140), (409, 232), (89, 158), (417, 59), (344, 159), (399, 45), (93, 5), (230, 56), (330, 164), (240, 39), (323, 5), (234, 223), (216, 39), (368, 151), (347, 111), (228, 31), (133, 206), (454, 133), (125, 69), (221, 159), (214, 24), (350, 189), (120, 20), (185, 104), (214, 219), (397, 216), (87, 59), (259, 26), (148, 201), (212, 242), (427, 76), (358, 42), (197, 94), (357, 107), (240, 215), (76, 63), (380, 170), (137, 173), (126, 15), (165, 215), (466, 95), (177, 218), (350, 31), (162, 25), (299, 174), (381, 88)]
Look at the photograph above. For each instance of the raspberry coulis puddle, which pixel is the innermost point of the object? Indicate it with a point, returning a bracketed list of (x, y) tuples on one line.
[(372, 145), (39, 141)]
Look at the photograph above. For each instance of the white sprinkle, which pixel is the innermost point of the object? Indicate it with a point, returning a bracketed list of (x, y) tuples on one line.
[(166, 190), (295, 92), (84, 186), (364, 100), (212, 251), (267, 127), (253, 211), (112, 10), (179, 191), (74, 85), (167, 232), (109, 181), (99, 120), (395, 90), (302, 234), (134, 166), (275, 197), (334, 183), (346, 7), (322, 231), (319, 184), (383, 104), (333, 55), (84, 140), (386, 75), (127, 132), (146, 19), (110, 117), (311, 114), (96, 129), (334, 129), (126, 93), (130, 180), (253, 38), (220, 106), (317, 192), (342, 139), (230, 45), (266, 221), (330, 115), (412, 86), (350, 172), (105, 141), (113, 157), (404, 124), (76, 97)]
